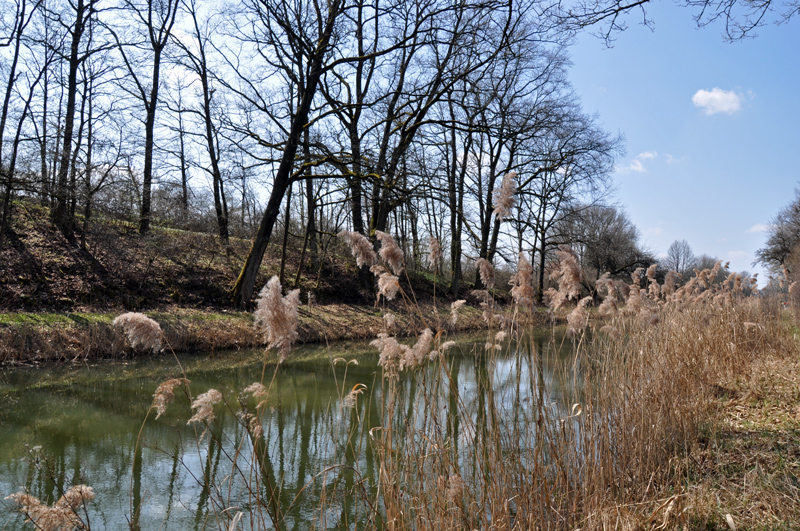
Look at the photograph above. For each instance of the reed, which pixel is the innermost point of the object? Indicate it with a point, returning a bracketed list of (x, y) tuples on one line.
[(611, 442), (607, 446)]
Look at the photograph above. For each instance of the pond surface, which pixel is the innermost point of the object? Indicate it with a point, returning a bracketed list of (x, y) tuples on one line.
[(80, 424)]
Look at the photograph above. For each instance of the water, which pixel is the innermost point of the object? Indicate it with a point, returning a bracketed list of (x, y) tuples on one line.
[(63, 426)]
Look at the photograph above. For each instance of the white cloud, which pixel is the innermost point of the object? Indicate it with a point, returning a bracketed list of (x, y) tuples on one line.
[(653, 231), (674, 160), (717, 100), (637, 164), (759, 228), (738, 255)]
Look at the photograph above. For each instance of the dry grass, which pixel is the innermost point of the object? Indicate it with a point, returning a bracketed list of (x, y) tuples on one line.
[(39, 338), (683, 416), (748, 463)]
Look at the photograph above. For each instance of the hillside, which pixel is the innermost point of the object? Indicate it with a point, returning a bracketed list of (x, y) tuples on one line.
[(119, 269)]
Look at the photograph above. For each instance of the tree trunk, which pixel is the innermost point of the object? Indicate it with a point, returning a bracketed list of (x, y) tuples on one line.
[(60, 214), (286, 221), (149, 126), (243, 290)]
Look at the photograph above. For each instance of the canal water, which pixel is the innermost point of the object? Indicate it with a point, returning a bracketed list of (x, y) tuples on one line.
[(89, 424)]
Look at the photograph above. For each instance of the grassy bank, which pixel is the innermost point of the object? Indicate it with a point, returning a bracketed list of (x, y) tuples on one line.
[(57, 300), (47, 337), (747, 462)]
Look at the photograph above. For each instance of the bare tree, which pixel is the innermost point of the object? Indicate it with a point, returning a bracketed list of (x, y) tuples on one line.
[(568, 165), (680, 258), (740, 18), (194, 59), (155, 19), (104, 146), (84, 13), (311, 41), (606, 241), (22, 17)]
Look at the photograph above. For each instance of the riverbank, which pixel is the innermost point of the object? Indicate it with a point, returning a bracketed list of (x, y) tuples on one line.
[(746, 466), (49, 337)]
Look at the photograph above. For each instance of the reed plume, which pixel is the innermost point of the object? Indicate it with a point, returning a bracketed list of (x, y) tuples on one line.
[(794, 294), (608, 307), (415, 357), (636, 276), (388, 286), (391, 252), (635, 302), (391, 352), (654, 290), (276, 317), (504, 198), (454, 307), (165, 394), (141, 330), (486, 271), (569, 276), (522, 283), (351, 399), (651, 272), (579, 317), (496, 344), (444, 347), (435, 252), (389, 321), (257, 390), (62, 515), (360, 247), (670, 284), (204, 406)]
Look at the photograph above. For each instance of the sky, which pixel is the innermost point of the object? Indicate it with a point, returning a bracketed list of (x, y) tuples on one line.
[(712, 129)]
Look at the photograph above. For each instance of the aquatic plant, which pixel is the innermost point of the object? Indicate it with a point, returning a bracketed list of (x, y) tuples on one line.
[(391, 252), (486, 272), (504, 197)]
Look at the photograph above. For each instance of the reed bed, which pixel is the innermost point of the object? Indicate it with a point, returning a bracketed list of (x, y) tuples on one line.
[(609, 443)]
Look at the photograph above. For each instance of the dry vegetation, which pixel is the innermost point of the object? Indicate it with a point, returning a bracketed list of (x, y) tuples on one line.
[(683, 414), (57, 302)]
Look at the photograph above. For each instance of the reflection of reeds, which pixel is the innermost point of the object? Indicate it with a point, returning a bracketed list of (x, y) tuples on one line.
[(68, 512)]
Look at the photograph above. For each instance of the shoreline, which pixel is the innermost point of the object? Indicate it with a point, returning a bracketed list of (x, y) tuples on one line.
[(32, 338)]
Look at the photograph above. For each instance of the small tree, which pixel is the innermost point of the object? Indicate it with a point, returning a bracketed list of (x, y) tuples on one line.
[(680, 258)]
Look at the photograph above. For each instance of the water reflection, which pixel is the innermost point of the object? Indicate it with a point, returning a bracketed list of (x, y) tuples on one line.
[(87, 421)]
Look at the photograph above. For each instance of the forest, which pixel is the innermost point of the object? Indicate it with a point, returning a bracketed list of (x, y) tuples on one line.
[(260, 119)]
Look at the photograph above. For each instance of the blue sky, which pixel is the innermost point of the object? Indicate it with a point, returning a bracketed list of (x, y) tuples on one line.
[(712, 128)]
